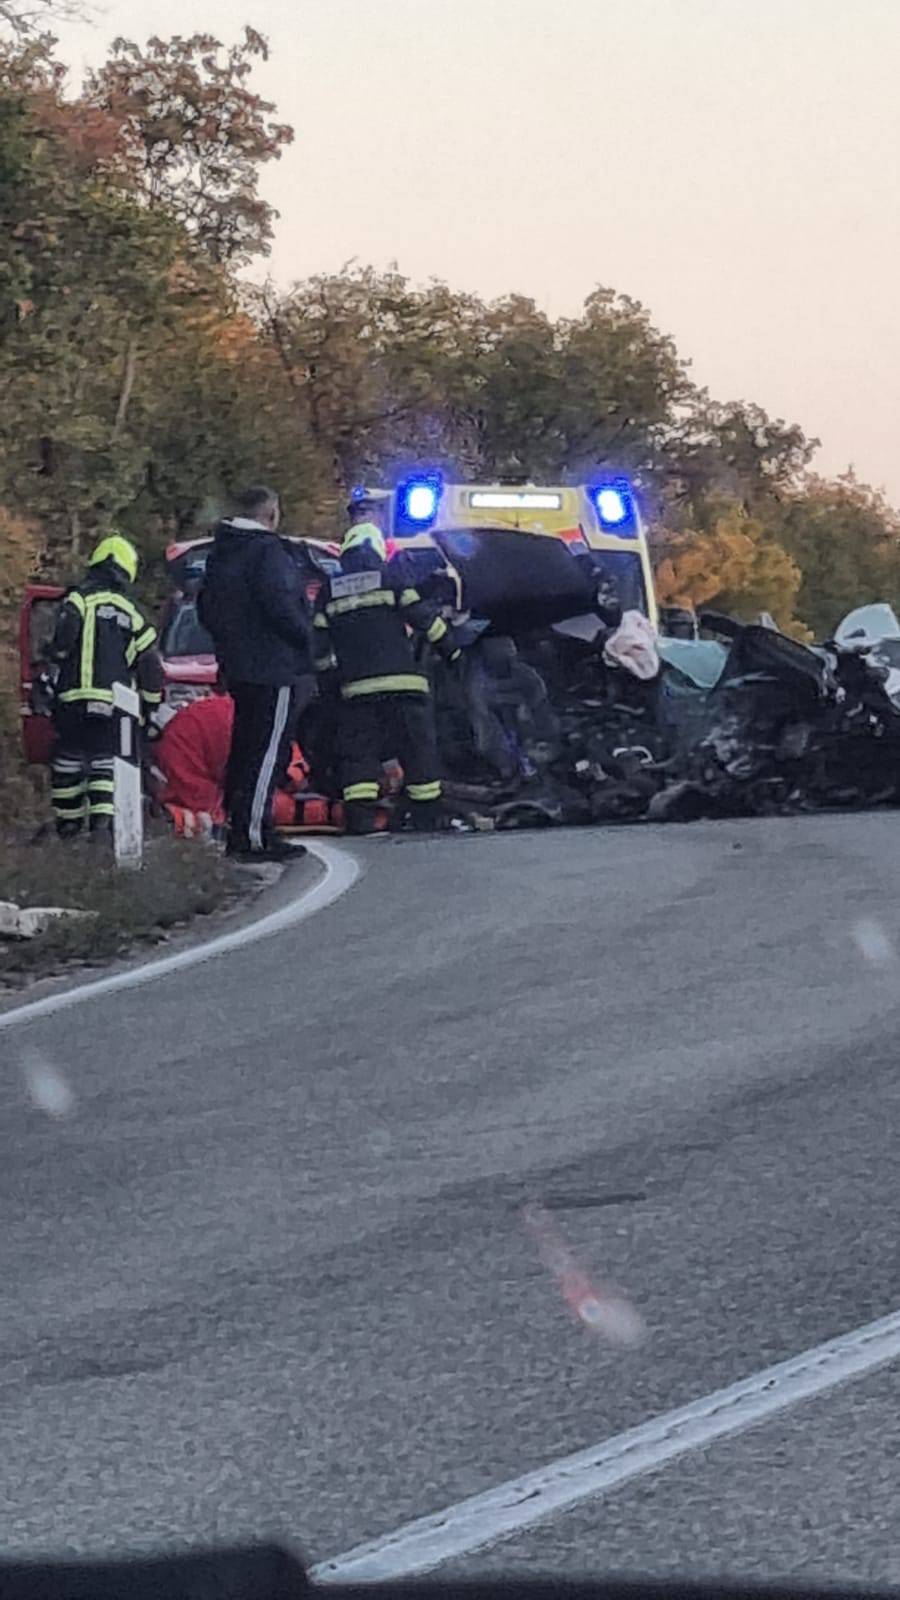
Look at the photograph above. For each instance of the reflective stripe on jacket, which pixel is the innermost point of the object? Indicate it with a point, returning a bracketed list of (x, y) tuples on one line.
[(362, 625), (102, 638)]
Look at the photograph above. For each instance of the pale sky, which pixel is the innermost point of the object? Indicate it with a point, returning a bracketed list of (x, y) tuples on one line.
[(731, 163)]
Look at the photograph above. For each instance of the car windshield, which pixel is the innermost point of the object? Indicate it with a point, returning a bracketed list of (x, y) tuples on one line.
[(184, 634)]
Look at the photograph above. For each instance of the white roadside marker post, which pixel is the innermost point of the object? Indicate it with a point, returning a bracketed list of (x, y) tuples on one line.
[(128, 813)]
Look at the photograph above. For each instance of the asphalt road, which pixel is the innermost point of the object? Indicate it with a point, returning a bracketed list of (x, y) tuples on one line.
[(270, 1272)]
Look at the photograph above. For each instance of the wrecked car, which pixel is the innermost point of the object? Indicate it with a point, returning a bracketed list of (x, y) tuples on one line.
[(568, 709)]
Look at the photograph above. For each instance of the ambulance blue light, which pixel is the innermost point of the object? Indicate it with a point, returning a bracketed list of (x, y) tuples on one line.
[(611, 506), (421, 502), (417, 502), (616, 510)]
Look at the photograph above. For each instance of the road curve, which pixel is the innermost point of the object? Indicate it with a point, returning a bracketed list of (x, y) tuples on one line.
[(270, 1272)]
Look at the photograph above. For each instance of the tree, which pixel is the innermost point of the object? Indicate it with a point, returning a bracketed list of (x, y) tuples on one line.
[(562, 400), (376, 373), (731, 563), (83, 275), (134, 389), (196, 135), (212, 408), (735, 450), (26, 16), (846, 541), (384, 375)]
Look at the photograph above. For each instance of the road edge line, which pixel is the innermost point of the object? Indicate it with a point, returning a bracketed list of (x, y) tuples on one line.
[(512, 1507), (341, 872)]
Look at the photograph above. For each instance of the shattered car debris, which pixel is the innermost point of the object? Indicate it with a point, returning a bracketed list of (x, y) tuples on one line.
[(567, 710)]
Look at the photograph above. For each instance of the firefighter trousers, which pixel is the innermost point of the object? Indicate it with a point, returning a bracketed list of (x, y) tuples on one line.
[(374, 729), (81, 775)]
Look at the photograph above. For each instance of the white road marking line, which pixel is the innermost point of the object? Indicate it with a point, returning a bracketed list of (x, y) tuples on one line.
[(341, 872), (498, 1514)]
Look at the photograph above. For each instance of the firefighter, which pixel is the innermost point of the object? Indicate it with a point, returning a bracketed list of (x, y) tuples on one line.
[(101, 638), (361, 628)]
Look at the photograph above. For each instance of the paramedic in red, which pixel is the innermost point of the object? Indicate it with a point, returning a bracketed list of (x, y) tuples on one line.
[(253, 604), (191, 759)]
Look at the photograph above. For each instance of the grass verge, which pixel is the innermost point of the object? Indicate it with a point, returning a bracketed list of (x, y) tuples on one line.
[(180, 880)]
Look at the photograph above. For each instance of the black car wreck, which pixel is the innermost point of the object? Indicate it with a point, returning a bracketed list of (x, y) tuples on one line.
[(566, 709)]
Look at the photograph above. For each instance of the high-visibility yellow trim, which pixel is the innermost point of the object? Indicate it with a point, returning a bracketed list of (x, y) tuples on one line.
[(74, 792), (110, 597), (424, 791), (144, 640), (320, 620), (151, 697), (436, 631), (392, 683), (103, 808), (361, 791), (88, 606), (101, 786), (358, 602), (410, 597), (88, 638), (77, 600), (104, 695)]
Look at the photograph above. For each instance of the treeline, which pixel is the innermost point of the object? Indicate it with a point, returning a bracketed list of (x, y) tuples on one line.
[(142, 377)]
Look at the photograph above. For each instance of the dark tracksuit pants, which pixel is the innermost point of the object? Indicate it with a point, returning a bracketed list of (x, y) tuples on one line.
[(81, 775), (375, 727), (265, 717)]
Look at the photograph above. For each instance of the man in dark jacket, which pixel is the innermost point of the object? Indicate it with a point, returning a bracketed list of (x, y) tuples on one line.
[(363, 624), (253, 604), (101, 638)]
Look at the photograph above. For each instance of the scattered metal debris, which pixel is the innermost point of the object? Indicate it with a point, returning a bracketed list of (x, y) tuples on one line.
[(558, 719)]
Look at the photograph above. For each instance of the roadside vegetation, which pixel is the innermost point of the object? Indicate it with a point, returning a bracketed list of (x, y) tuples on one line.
[(178, 882)]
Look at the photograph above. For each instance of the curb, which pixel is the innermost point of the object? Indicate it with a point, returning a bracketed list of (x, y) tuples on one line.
[(341, 871)]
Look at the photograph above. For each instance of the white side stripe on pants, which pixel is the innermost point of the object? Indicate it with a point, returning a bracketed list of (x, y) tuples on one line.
[(267, 769)]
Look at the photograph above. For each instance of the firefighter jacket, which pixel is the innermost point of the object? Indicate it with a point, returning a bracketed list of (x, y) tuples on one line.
[(362, 627), (102, 637)]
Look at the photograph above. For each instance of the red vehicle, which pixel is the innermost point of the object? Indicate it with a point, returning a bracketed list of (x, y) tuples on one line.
[(37, 620), (189, 660)]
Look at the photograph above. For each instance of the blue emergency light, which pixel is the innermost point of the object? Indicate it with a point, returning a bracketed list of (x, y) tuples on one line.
[(615, 507), (421, 502), (417, 502)]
